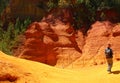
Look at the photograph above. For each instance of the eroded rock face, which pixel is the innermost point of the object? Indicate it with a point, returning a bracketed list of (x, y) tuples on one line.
[(54, 41), (45, 39), (60, 45), (100, 34), (35, 48), (98, 37)]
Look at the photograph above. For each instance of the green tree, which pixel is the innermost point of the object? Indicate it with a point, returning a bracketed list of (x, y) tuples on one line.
[(10, 38), (85, 11)]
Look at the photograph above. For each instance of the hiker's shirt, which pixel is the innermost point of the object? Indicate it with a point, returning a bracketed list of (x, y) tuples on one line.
[(108, 53)]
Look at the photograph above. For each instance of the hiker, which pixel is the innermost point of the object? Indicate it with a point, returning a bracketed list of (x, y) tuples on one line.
[(109, 56)]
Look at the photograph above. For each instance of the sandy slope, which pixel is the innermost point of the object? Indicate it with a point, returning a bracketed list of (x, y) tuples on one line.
[(33, 72)]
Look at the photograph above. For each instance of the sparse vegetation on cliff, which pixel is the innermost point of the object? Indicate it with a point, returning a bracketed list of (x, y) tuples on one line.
[(85, 12), (9, 38)]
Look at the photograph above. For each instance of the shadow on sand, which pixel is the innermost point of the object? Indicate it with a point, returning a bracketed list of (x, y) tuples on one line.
[(116, 72)]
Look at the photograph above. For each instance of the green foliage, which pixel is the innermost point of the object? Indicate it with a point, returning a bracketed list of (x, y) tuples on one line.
[(81, 15), (49, 5), (10, 37), (64, 3), (7, 36), (92, 6), (52, 4), (84, 11), (79, 1)]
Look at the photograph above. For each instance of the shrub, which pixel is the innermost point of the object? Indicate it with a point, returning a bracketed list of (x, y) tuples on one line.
[(85, 11), (9, 38)]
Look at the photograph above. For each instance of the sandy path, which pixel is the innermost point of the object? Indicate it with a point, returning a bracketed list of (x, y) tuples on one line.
[(34, 72)]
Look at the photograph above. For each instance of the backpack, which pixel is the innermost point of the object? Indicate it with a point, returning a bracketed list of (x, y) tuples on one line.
[(108, 53)]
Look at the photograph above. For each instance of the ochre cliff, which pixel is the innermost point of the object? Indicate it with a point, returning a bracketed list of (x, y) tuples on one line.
[(54, 46), (50, 40), (100, 34), (54, 41)]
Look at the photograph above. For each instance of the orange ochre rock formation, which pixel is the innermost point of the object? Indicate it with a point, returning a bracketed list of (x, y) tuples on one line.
[(50, 40), (54, 41), (61, 45)]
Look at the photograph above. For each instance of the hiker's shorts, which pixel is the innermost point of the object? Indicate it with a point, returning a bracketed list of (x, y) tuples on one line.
[(110, 63)]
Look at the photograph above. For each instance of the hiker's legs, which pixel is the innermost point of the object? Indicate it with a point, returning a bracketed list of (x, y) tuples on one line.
[(110, 64), (109, 67)]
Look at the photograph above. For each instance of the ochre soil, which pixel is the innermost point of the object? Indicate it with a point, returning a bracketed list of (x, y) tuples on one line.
[(16, 70)]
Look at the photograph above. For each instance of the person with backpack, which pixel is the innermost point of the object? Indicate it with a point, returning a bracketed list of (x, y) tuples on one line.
[(109, 56)]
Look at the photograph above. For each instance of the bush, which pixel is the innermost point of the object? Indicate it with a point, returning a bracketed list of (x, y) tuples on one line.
[(52, 4), (85, 11), (9, 38)]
